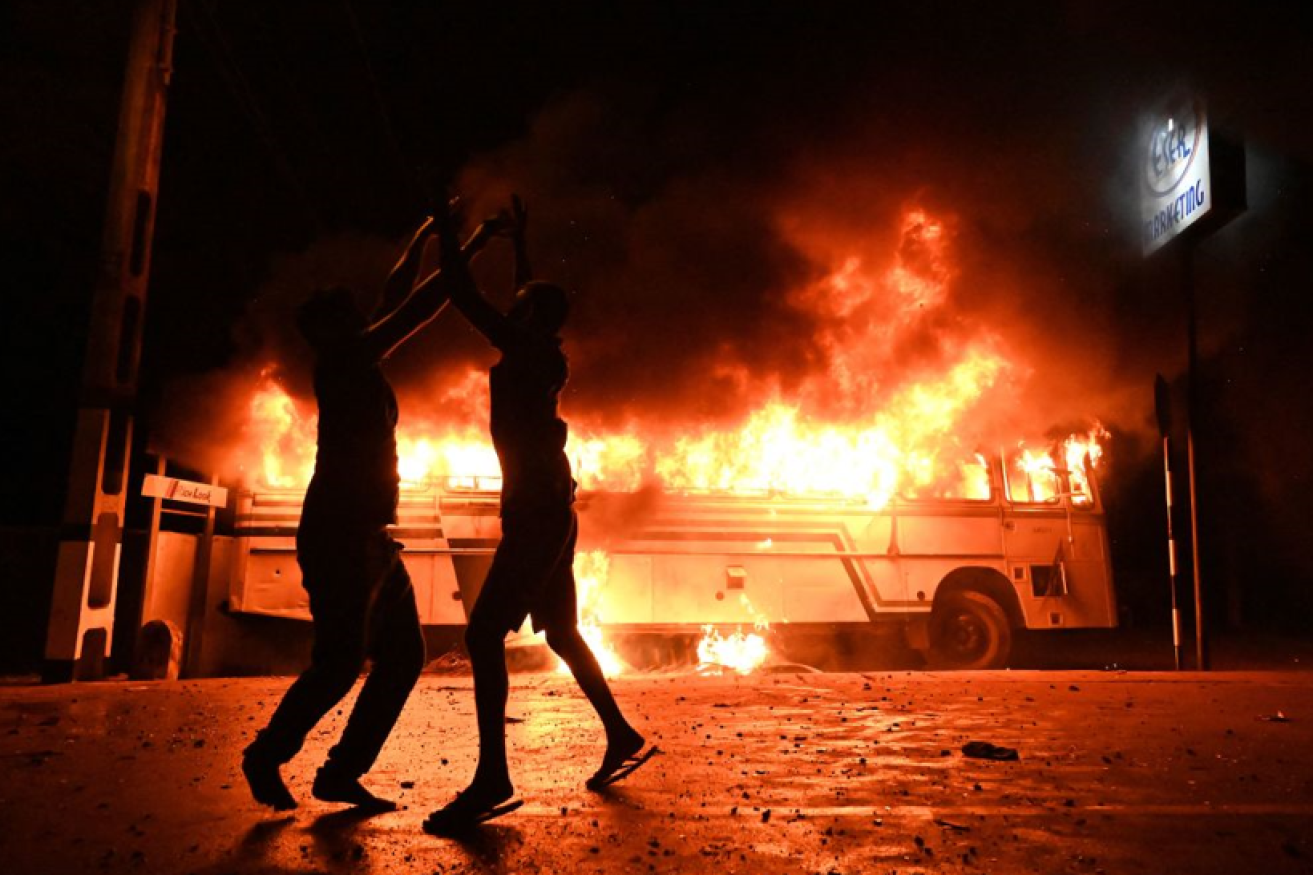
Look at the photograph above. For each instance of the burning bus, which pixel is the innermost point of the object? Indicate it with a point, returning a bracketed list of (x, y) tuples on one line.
[(881, 490), (1018, 543)]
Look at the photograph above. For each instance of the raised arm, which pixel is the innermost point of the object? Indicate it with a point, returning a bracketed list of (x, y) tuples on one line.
[(465, 294), (491, 322), (401, 280), (454, 276), (426, 300)]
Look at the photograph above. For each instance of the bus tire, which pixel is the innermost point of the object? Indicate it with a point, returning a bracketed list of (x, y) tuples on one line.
[(968, 630)]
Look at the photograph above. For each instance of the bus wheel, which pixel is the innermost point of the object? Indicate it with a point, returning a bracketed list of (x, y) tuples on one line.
[(968, 630)]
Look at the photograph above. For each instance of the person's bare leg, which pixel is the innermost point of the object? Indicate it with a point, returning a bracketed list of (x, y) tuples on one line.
[(622, 740), (492, 778)]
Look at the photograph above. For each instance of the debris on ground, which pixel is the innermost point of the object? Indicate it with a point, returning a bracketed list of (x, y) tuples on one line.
[(984, 750), (453, 662)]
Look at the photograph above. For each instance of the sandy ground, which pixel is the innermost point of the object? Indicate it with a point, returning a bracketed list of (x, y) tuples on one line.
[(805, 772)]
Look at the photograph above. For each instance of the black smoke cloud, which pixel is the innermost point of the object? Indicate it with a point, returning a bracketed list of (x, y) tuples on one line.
[(687, 225), (686, 195), (687, 277)]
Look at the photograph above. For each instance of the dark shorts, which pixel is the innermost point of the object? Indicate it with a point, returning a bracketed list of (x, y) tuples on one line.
[(532, 574)]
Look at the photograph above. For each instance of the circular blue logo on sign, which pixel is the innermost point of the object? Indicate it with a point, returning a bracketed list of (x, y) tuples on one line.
[(1173, 144)]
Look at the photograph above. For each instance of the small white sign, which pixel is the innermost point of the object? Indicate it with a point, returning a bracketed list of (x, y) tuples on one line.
[(174, 489), (1176, 186)]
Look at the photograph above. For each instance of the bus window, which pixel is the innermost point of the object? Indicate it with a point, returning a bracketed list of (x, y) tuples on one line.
[(1033, 478), (967, 480), (1080, 488)]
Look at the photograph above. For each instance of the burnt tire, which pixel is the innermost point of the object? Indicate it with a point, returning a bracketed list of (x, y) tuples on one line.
[(968, 630)]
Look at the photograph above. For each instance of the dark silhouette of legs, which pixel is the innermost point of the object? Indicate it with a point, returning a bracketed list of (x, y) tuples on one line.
[(335, 663), (348, 625), (531, 573), (396, 648)]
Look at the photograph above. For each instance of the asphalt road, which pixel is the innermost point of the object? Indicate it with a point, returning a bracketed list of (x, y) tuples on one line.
[(804, 772)]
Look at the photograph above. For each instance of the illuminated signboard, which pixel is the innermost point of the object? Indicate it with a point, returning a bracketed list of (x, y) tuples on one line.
[(155, 486), (1176, 185)]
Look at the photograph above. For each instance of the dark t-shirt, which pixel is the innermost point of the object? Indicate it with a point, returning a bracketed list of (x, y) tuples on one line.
[(355, 481), (527, 433)]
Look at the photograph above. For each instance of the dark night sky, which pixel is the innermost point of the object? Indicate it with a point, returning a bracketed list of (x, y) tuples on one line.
[(663, 147)]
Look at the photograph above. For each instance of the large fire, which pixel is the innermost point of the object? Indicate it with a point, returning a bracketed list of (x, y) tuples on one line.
[(827, 438)]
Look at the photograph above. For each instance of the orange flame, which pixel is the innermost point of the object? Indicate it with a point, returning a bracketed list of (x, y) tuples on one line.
[(1034, 475), (591, 569), (739, 651), (279, 441), (843, 433)]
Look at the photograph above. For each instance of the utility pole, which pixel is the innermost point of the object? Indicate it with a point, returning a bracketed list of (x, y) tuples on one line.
[(81, 629)]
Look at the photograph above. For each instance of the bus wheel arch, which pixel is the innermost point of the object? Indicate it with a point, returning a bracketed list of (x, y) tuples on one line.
[(971, 620)]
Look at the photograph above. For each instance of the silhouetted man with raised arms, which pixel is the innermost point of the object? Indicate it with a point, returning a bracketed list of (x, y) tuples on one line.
[(532, 572), (361, 597)]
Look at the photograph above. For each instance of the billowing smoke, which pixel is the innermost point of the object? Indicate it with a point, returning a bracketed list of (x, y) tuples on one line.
[(704, 286), (716, 263)]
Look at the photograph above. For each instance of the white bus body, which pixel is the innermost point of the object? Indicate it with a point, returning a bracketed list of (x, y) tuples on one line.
[(959, 574)]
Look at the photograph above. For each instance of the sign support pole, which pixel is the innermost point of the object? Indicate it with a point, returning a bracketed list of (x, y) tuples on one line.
[(193, 638), (1191, 410)]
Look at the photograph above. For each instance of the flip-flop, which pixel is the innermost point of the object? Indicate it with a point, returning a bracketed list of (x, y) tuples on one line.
[(456, 818), (622, 770)]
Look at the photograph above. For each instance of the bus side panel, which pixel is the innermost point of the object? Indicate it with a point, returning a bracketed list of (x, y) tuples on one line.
[(1060, 582), (696, 589), (1090, 595), (871, 532), (972, 532), (626, 595), (447, 606), (273, 585), (822, 590), (922, 576), (437, 593)]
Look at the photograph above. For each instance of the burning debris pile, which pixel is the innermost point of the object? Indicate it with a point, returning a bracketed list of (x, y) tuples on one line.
[(883, 412)]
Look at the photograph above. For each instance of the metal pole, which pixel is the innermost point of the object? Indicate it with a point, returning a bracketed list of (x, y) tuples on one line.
[(1162, 403), (198, 602), (1171, 553), (1192, 408)]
